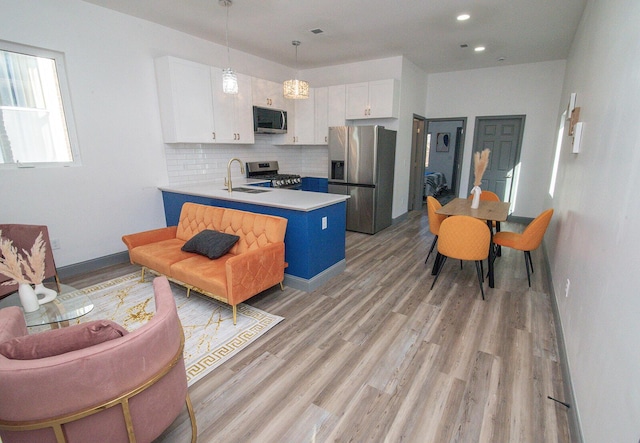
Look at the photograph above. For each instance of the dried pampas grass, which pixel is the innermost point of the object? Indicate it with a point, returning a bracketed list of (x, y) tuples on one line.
[(480, 162), (27, 268)]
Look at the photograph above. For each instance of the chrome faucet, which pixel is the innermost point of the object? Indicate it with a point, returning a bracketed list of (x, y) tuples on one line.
[(227, 180)]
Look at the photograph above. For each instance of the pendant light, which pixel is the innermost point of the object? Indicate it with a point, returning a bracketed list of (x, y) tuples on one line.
[(229, 79), (296, 89)]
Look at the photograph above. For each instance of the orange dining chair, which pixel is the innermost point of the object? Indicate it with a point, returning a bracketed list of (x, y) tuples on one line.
[(529, 240), (434, 221), (463, 238)]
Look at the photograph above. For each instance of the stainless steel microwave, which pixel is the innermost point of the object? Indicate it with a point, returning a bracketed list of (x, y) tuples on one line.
[(269, 121)]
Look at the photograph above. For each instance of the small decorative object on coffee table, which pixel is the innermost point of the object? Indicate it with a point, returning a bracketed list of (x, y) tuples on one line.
[(26, 268), (480, 162)]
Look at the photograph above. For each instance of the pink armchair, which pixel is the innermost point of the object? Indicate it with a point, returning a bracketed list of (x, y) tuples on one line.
[(128, 388)]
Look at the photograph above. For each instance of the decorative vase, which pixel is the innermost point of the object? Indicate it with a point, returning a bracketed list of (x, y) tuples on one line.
[(49, 294), (28, 297), (476, 191)]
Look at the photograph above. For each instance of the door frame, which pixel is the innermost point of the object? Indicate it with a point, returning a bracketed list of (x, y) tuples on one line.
[(416, 171), (522, 118)]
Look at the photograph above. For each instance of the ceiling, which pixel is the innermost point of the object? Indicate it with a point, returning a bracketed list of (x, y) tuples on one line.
[(424, 31)]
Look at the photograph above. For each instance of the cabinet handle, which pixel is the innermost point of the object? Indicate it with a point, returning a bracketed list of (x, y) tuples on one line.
[(238, 137), (213, 135)]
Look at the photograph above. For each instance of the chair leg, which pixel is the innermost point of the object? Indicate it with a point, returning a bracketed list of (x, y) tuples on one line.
[(192, 418), (480, 279), (530, 261), (433, 243), (526, 263), (482, 270), (441, 258)]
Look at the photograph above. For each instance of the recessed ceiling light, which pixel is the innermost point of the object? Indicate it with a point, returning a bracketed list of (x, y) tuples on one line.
[(463, 17), (464, 45), (479, 48), (317, 31)]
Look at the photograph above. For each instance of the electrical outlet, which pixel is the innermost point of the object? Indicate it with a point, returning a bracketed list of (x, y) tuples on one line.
[(566, 288), (324, 223), (55, 243)]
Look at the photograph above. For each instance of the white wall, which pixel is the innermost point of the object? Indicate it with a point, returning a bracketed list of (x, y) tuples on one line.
[(531, 89), (109, 60), (594, 237)]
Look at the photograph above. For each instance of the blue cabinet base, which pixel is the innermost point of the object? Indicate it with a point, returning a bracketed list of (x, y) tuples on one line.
[(314, 255)]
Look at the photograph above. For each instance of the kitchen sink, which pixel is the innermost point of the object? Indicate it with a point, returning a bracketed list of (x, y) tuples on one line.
[(249, 190)]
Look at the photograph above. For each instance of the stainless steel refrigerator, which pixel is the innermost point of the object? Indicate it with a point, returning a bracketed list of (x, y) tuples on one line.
[(361, 165)]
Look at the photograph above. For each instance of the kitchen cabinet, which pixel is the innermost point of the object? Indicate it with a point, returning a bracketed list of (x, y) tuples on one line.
[(303, 132), (267, 94), (233, 116), (186, 105), (336, 105), (376, 99), (321, 125), (315, 184), (329, 111)]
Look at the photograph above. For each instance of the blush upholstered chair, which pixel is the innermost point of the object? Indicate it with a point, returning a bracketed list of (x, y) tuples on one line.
[(463, 238), (434, 221), (23, 237), (130, 387), (529, 240)]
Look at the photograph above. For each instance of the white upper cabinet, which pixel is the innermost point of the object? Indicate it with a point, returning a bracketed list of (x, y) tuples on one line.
[(305, 120), (376, 99), (186, 105), (233, 114), (321, 130), (329, 111), (267, 94), (336, 106)]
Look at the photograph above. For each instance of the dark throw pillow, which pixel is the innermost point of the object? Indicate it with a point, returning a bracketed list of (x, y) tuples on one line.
[(210, 243), (60, 341)]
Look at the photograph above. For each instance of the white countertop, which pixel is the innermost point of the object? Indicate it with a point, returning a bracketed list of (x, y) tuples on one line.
[(278, 198)]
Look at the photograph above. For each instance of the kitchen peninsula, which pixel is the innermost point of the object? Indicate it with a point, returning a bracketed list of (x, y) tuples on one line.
[(316, 229)]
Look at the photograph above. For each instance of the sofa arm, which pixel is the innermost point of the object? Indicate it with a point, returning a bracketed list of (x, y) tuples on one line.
[(146, 237), (12, 323), (254, 271)]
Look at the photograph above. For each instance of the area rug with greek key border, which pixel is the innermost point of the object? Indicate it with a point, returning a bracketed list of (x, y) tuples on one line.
[(211, 338)]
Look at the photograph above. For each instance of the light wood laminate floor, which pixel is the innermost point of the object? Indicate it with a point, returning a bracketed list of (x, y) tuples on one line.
[(374, 355)]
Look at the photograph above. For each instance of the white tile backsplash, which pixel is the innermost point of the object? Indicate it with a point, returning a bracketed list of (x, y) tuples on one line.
[(191, 163)]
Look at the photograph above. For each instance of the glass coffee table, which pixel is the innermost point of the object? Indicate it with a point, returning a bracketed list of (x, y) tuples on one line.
[(68, 305)]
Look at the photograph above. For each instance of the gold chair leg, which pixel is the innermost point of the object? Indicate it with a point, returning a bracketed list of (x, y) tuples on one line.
[(192, 417), (142, 275), (282, 285), (235, 312)]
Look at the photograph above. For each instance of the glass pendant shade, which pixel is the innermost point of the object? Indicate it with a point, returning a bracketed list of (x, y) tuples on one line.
[(296, 89), (229, 81), (229, 78)]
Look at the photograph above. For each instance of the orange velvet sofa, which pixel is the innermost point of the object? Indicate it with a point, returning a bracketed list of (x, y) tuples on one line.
[(254, 263)]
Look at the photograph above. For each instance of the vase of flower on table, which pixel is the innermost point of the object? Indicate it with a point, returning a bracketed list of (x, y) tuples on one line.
[(480, 162), (25, 269)]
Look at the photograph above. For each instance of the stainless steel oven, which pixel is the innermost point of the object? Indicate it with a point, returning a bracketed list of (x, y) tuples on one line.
[(268, 171)]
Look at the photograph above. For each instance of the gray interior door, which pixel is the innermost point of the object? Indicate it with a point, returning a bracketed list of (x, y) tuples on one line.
[(503, 136)]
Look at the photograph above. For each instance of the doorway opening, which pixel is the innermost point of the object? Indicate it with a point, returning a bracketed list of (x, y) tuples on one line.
[(443, 157)]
